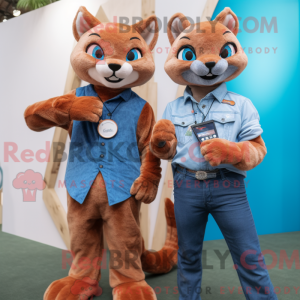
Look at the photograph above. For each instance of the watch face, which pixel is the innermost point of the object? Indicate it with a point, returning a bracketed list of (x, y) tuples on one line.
[(205, 131)]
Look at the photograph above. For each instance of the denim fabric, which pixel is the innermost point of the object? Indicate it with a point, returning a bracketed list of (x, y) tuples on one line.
[(225, 199), (235, 123), (117, 158)]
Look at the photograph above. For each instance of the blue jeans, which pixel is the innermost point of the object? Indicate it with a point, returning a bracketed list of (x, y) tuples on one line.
[(225, 198)]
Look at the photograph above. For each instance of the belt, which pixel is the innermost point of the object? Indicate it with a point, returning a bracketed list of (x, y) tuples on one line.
[(201, 175)]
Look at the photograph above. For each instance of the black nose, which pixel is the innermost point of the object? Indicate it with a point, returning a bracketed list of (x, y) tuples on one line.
[(210, 64), (114, 67)]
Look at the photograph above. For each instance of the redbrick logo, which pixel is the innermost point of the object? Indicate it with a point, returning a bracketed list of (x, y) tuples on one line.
[(30, 182)]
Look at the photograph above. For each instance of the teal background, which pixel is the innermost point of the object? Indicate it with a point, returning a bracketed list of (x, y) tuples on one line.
[(271, 82)]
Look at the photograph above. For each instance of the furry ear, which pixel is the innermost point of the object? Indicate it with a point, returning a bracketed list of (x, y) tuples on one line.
[(228, 18), (148, 29), (177, 24), (83, 22)]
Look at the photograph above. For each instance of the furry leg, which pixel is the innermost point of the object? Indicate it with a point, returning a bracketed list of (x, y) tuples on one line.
[(164, 260)]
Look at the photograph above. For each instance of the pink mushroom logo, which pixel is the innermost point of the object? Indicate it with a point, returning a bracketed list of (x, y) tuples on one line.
[(86, 288), (29, 182)]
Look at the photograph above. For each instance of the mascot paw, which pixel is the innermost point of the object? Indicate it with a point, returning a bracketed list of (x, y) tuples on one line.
[(69, 288), (86, 109), (220, 151), (144, 190), (163, 141), (134, 291)]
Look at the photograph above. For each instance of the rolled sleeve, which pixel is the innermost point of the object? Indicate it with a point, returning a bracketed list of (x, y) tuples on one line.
[(251, 127)]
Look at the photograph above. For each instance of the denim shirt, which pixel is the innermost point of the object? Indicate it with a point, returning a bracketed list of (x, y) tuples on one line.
[(236, 120)]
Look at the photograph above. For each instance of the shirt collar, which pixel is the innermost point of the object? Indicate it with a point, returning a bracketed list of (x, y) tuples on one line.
[(219, 93), (125, 95)]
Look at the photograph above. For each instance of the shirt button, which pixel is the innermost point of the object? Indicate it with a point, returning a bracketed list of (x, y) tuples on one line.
[(183, 123), (102, 144), (102, 155), (203, 106), (101, 166), (223, 119)]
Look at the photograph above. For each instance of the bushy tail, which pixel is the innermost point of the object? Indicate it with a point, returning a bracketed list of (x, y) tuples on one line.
[(163, 260)]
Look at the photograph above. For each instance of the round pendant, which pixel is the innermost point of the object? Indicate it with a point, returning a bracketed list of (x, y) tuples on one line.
[(107, 128)]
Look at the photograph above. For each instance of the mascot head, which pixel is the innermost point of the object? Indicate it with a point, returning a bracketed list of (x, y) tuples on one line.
[(111, 54), (207, 53)]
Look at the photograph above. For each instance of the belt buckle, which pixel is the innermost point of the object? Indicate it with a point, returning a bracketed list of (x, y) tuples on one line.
[(201, 175)]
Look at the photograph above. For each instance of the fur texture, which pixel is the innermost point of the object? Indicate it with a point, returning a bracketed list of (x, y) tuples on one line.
[(207, 38), (116, 40), (164, 132), (244, 155), (156, 263), (145, 187)]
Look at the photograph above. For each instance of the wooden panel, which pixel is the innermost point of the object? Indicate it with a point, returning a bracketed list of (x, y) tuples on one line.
[(142, 91), (101, 15), (148, 91), (148, 8), (209, 9), (57, 213), (160, 230)]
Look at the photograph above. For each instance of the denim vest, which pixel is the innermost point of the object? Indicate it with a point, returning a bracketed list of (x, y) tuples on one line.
[(117, 158)]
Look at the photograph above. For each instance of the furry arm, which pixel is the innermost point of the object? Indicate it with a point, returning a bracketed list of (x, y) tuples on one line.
[(243, 155), (60, 111), (145, 187), (164, 142)]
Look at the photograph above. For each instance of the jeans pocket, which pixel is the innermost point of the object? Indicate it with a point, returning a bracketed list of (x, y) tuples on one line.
[(178, 175), (178, 179)]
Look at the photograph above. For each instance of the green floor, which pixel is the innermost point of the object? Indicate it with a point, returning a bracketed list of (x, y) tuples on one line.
[(27, 268)]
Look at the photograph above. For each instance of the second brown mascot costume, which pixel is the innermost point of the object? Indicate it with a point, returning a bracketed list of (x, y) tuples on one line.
[(110, 169)]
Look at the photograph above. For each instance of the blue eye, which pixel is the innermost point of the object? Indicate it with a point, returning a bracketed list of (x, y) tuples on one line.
[(186, 54), (95, 51), (133, 54), (228, 50)]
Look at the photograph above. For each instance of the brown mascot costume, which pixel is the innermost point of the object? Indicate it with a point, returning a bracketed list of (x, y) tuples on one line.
[(110, 169)]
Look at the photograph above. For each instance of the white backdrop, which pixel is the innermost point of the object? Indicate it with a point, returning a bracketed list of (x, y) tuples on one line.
[(34, 60)]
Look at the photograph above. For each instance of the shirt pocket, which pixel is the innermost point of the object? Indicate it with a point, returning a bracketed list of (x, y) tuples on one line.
[(182, 125), (224, 124)]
